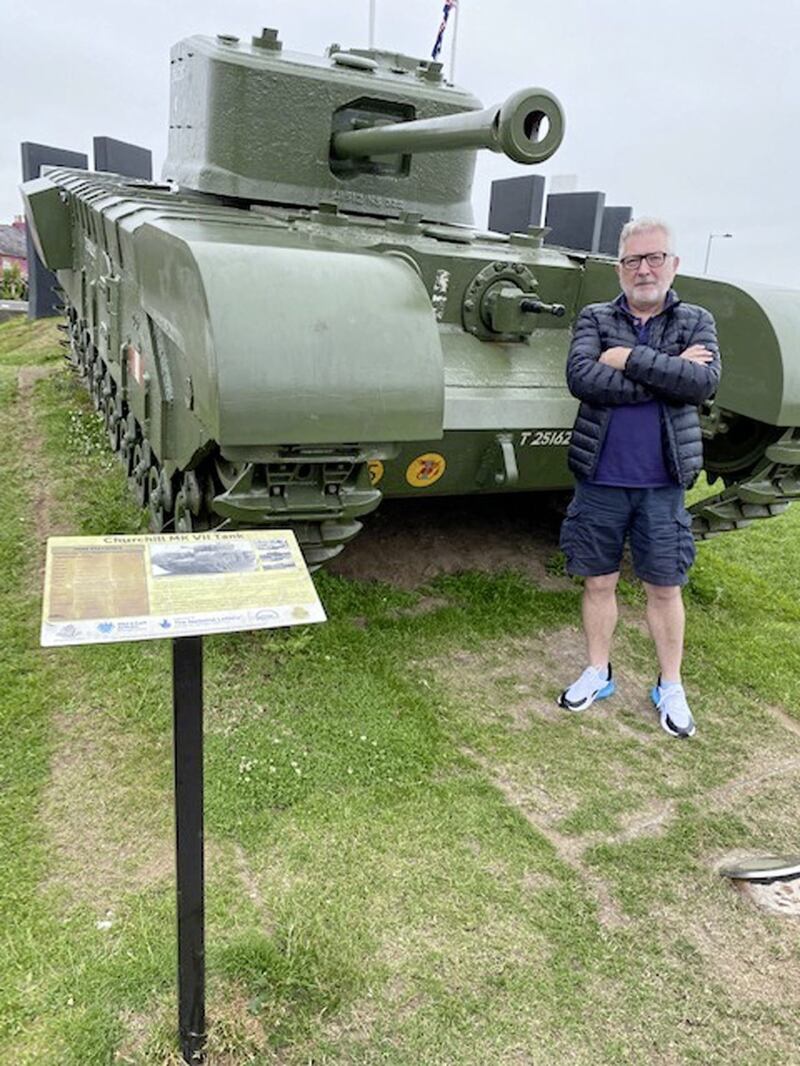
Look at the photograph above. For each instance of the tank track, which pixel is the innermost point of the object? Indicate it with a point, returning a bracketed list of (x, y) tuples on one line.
[(318, 493), (767, 490)]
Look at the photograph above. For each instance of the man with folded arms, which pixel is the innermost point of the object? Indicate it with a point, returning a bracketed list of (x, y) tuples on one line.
[(640, 365)]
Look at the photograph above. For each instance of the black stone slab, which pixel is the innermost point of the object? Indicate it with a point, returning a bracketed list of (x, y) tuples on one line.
[(614, 218), (43, 302), (120, 157), (516, 203), (575, 220)]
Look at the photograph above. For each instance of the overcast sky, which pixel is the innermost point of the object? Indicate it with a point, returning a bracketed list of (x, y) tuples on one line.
[(688, 110)]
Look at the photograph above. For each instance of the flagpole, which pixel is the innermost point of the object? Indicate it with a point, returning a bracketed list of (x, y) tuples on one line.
[(372, 23), (453, 47)]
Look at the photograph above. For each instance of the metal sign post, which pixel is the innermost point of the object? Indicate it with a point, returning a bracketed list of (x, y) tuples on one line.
[(187, 707), (100, 590)]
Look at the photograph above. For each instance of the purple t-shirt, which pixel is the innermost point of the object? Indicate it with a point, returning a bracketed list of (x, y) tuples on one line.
[(632, 456)]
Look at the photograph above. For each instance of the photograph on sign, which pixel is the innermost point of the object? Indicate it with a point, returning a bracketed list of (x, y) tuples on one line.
[(107, 589), (203, 558)]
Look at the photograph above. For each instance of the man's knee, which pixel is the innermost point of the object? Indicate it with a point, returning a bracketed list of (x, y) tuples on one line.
[(662, 594), (600, 586)]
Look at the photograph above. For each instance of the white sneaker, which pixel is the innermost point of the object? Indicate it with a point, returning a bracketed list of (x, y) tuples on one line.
[(673, 710), (593, 684)]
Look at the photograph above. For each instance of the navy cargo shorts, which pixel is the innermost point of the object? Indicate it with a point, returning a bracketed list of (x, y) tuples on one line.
[(600, 517)]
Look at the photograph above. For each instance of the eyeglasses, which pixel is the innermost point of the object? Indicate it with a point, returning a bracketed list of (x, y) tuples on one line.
[(654, 259)]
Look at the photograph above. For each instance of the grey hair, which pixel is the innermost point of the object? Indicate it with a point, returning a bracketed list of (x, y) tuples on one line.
[(644, 225)]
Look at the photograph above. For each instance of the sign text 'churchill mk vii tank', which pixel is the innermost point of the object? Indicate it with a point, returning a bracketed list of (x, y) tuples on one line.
[(302, 318)]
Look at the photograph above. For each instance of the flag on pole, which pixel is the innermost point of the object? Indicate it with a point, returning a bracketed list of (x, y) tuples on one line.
[(448, 6)]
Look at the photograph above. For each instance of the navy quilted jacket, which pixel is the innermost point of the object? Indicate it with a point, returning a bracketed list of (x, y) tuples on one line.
[(653, 371)]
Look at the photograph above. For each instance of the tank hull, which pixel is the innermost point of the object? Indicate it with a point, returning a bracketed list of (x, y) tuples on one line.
[(273, 367)]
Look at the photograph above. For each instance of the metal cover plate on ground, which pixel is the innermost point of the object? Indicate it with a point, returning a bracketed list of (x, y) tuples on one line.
[(763, 867)]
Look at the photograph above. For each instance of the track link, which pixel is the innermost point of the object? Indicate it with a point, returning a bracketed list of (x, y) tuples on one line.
[(767, 491)]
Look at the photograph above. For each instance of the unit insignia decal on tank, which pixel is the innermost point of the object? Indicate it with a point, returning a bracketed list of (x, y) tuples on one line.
[(426, 469), (376, 469)]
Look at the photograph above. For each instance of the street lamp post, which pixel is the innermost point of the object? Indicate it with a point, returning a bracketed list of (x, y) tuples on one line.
[(711, 237)]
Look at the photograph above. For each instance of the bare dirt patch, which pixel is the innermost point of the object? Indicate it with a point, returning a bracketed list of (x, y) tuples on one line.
[(502, 684), (649, 822), (791, 725), (752, 956), (236, 1035), (425, 605), (534, 881), (510, 687), (654, 819), (568, 849), (560, 657), (43, 503), (252, 887), (520, 680), (99, 854), (356, 1026), (132, 1049), (733, 925), (409, 542), (28, 376), (765, 767)]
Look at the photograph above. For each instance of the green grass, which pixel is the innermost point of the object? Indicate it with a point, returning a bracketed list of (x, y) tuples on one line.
[(24, 343), (411, 857)]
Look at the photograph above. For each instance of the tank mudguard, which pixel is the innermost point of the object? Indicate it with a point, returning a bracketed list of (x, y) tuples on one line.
[(47, 214), (289, 343), (759, 338)]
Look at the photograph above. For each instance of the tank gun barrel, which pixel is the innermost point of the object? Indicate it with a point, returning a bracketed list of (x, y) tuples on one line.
[(528, 128)]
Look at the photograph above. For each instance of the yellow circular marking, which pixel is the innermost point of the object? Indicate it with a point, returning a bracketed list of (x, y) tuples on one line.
[(375, 468), (425, 470)]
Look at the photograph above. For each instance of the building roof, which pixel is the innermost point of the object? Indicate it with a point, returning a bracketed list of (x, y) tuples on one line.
[(12, 241)]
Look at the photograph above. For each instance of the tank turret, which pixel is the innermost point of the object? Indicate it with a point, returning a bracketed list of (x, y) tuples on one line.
[(370, 131)]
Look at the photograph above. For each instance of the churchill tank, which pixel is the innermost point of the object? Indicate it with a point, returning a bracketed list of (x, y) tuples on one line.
[(301, 318)]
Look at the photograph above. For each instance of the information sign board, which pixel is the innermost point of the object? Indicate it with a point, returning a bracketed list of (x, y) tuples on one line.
[(105, 589), (99, 590)]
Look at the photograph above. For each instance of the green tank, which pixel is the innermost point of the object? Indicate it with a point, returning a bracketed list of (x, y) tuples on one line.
[(302, 318)]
